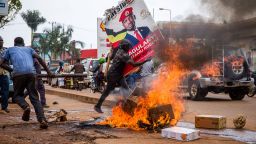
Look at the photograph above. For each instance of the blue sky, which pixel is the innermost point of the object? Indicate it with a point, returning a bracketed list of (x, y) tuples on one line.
[(82, 15)]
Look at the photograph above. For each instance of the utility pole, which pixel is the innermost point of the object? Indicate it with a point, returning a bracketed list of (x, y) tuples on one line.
[(170, 26), (73, 45)]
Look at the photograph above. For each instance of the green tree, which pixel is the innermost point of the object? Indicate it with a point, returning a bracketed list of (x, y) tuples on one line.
[(33, 19), (73, 51), (53, 39), (14, 7), (65, 39), (44, 46), (58, 41)]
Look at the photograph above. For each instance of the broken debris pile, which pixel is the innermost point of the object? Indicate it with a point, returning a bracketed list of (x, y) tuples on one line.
[(239, 122), (158, 118), (59, 116)]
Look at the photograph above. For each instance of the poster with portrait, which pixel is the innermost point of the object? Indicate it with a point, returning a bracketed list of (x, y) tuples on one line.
[(132, 21), (103, 45)]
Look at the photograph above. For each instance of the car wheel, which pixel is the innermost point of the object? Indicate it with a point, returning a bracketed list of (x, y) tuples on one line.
[(195, 91), (251, 92), (237, 94)]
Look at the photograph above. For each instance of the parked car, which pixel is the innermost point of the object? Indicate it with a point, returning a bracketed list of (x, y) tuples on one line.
[(233, 79)]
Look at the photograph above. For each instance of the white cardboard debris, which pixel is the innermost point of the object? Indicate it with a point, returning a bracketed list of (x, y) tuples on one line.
[(182, 134)]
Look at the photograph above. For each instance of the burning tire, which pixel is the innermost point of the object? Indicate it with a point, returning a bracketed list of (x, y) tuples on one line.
[(237, 93), (195, 90)]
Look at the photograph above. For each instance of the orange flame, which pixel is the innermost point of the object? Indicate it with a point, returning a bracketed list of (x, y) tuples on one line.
[(164, 90), (235, 61), (215, 68), (210, 69)]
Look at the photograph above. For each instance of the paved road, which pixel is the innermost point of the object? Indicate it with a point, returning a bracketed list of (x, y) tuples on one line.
[(221, 104)]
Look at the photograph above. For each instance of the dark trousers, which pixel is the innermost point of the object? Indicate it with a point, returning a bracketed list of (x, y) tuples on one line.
[(27, 81), (98, 79), (112, 82), (4, 92), (41, 90)]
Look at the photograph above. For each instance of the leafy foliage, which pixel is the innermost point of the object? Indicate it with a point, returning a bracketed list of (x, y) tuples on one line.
[(14, 7), (33, 19), (58, 41)]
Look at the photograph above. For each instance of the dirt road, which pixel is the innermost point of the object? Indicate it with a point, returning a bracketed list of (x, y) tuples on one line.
[(14, 130)]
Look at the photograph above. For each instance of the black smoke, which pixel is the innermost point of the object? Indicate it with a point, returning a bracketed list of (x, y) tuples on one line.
[(195, 18), (231, 10)]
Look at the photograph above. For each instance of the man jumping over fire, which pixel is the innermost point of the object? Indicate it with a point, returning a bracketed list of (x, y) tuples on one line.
[(115, 74)]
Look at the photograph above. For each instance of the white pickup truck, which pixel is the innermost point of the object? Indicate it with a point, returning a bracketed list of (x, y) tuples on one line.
[(233, 79)]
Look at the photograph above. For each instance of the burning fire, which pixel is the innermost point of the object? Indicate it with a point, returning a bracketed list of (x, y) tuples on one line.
[(236, 62), (215, 68), (211, 69), (164, 91)]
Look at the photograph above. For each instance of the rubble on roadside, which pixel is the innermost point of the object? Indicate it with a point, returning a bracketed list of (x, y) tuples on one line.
[(239, 122), (55, 103), (59, 116)]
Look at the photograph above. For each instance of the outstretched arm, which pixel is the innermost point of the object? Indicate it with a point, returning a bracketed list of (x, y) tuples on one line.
[(5, 66), (40, 60), (135, 64)]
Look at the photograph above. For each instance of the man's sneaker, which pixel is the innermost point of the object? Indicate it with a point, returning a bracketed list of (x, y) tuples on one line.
[(43, 124), (46, 106), (26, 114), (98, 109)]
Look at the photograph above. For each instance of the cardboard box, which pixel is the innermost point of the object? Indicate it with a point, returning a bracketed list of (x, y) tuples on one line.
[(210, 121), (179, 133)]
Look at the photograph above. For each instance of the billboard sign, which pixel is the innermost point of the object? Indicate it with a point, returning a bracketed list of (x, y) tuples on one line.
[(103, 45), (132, 21), (3, 7)]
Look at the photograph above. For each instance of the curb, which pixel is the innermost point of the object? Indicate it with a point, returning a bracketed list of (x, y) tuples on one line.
[(82, 98)]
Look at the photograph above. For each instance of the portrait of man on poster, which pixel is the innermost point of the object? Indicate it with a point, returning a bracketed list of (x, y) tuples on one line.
[(131, 32)]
